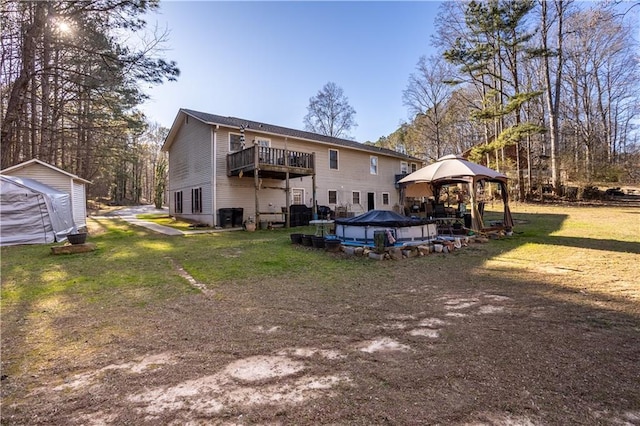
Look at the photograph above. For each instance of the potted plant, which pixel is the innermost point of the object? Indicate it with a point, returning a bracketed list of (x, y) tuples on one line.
[(249, 224), (317, 241), (77, 236), (332, 243), (306, 239)]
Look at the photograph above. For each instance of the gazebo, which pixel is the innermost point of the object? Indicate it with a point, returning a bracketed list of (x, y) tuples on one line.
[(452, 169)]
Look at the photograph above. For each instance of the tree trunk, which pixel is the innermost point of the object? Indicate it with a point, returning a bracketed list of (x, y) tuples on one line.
[(553, 94), (10, 127)]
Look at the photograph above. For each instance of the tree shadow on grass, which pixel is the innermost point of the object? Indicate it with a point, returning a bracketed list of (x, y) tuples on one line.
[(594, 244)]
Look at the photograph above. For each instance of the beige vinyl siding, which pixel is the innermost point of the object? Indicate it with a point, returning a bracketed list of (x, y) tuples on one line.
[(236, 192), (232, 192), (190, 167), (45, 175), (352, 175), (78, 204)]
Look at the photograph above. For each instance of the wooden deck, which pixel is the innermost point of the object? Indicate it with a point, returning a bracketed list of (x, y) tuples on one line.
[(271, 163)]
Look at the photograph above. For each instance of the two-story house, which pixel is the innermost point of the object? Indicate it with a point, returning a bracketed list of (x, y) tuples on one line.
[(218, 164)]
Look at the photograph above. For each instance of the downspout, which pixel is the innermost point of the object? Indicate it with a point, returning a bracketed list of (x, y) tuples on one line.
[(214, 171)]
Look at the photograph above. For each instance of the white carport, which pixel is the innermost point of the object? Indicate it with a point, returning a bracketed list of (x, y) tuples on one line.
[(33, 213)]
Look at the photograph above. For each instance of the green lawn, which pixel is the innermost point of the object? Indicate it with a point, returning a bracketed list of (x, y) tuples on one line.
[(137, 263)]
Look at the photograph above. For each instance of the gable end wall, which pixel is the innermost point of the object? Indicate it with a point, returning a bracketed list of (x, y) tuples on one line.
[(190, 167)]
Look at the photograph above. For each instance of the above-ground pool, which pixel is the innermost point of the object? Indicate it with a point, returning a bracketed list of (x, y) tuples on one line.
[(398, 230)]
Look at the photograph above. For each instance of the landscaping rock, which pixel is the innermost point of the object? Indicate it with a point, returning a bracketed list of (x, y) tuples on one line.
[(73, 248), (424, 250), (395, 253), (410, 253), (376, 256)]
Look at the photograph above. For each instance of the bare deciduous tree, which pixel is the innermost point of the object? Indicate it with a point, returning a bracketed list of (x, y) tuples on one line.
[(427, 92), (329, 113)]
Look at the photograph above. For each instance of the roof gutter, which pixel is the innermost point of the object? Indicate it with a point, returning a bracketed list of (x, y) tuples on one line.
[(264, 132)]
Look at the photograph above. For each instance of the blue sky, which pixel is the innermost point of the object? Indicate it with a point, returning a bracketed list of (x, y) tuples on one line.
[(262, 61)]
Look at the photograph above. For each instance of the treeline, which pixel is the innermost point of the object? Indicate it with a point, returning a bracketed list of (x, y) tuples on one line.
[(546, 91), (70, 81)]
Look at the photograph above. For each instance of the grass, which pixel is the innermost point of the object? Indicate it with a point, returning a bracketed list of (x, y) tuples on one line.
[(130, 273), (166, 220), (129, 259), (133, 268), (64, 311)]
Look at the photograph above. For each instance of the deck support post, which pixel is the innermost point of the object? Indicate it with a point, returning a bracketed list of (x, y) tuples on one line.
[(256, 181), (287, 191), (314, 210)]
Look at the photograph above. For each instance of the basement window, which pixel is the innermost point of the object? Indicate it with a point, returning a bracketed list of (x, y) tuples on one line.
[(196, 200), (177, 201)]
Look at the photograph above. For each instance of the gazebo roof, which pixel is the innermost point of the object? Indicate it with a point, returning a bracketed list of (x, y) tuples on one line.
[(451, 167)]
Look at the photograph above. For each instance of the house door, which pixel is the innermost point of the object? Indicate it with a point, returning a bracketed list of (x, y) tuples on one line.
[(371, 200)]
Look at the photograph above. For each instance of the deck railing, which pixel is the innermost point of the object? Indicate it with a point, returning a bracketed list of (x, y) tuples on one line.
[(266, 156)]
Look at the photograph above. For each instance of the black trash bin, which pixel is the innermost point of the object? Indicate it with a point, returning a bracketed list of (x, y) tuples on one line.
[(237, 216), (225, 218), (467, 220), (300, 215)]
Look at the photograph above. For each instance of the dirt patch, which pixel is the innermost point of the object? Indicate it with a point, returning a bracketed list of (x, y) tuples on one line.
[(249, 382), (263, 367), (383, 344), (466, 348), (425, 332), (139, 366)]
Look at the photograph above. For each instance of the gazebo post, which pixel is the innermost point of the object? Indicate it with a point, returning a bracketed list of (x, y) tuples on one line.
[(507, 220), (477, 222)]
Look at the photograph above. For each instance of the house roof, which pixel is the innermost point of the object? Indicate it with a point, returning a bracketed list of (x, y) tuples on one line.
[(270, 129), (33, 161)]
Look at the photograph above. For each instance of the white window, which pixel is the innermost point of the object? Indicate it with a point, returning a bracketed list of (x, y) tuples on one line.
[(262, 142), (355, 197), (414, 167), (333, 159), (333, 196), (373, 165), (236, 142), (297, 196), (404, 167), (385, 198)]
